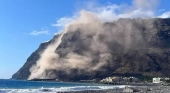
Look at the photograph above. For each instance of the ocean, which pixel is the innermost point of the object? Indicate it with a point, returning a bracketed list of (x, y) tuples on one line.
[(21, 86)]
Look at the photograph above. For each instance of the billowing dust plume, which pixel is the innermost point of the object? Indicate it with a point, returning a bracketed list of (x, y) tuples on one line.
[(93, 41)]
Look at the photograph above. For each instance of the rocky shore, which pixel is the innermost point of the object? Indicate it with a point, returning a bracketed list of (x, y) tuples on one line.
[(130, 89)]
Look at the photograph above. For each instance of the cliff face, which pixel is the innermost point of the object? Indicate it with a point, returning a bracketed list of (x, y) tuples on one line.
[(145, 50), (24, 71)]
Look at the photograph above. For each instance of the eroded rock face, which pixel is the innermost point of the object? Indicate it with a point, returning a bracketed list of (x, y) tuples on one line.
[(147, 52)]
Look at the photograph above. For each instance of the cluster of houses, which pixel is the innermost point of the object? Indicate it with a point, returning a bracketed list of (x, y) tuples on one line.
[(116, 79), (119, 79), (160, 80)]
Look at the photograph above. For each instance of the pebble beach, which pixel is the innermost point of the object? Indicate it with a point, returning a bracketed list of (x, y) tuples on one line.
[(132, 89)]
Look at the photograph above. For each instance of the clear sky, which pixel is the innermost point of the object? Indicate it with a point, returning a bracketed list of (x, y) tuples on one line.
[(24, 24)]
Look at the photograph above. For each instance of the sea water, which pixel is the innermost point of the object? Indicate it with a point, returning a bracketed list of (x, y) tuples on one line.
[(21, 86)]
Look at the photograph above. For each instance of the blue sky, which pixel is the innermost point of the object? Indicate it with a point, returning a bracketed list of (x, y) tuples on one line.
[(24, 24)]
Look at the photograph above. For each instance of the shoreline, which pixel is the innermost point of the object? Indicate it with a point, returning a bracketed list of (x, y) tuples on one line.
[(106, 88), (125, 89)]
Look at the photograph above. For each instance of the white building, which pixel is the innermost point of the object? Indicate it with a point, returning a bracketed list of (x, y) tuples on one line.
[(156, 80)]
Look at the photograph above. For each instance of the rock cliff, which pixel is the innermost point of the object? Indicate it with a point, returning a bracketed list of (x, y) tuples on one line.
[(125, 47)]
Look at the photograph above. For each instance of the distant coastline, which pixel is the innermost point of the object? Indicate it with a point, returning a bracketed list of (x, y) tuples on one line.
[(106, 83)]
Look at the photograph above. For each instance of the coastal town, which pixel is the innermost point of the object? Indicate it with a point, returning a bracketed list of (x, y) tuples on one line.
[(116, 80)]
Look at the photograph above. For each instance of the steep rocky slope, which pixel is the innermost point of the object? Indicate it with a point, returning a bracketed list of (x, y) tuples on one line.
[(127, 47)]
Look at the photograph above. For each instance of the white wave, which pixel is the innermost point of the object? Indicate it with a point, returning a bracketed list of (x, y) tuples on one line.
[(60, 89)]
